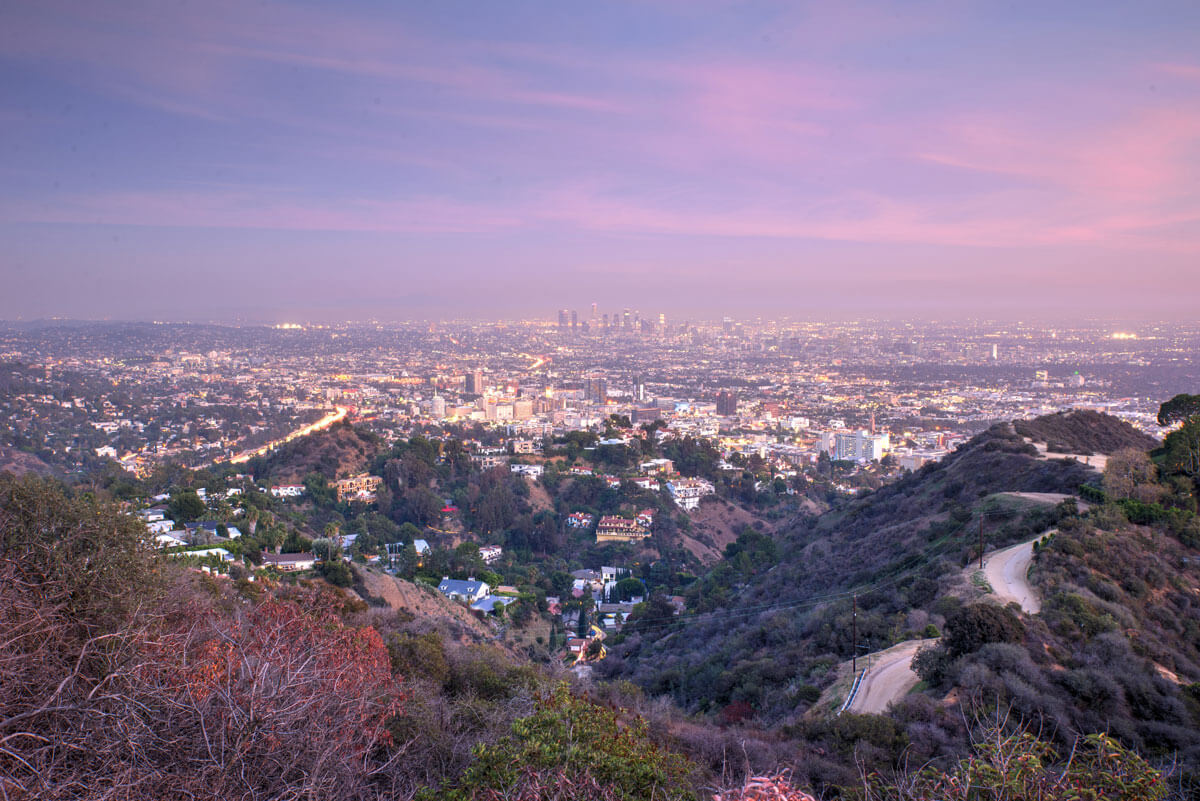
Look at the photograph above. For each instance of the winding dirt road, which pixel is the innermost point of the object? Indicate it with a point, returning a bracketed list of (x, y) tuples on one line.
[(1007, 570), (890, 678)]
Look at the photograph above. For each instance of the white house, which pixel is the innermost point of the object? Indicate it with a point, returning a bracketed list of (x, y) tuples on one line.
[(687, 492), (289, 562), (528, 470), (220, 553), (160, 526), (468, 591)]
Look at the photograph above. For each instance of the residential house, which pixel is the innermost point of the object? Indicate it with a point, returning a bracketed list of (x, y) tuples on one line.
[(468, 591), (168, 541), (618, 529), (289, 562), (361, 487), (645, 482), (661, 467), (580, 520), (220, 553), (160, 526), (687, 492)]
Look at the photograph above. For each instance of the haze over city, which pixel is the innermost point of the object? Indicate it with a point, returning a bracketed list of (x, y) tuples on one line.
[(225, 161)]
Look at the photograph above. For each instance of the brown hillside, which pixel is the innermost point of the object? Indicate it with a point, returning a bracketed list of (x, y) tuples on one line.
[(1084, 432), (337, 452), (714, 525), (451, 619), (19, 462)]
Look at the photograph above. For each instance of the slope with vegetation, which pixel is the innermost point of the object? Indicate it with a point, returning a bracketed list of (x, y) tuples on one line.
[(338, 451), (126, 675)]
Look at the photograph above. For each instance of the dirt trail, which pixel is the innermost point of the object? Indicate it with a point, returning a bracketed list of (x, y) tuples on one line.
[(890, 678), (1007, 570), (1050, 498), (1096, 461)]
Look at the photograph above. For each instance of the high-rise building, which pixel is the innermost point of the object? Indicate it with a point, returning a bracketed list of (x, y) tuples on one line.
[(593, 312), (562, 318), (625, 320), (437, 407), (861, 445), (596, 390), (726, 403), (474, 383), (639, 388), (574, 319)]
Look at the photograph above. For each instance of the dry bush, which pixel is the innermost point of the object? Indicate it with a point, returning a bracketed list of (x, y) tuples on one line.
[(764, 788)]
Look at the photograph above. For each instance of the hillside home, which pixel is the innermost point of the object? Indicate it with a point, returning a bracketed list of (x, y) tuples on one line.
[(289, 562), (468, 591)]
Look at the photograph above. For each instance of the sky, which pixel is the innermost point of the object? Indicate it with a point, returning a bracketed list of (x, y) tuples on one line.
[(266, 161)]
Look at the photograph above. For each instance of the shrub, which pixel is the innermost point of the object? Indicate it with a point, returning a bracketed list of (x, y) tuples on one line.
[(571, 748), (933, 664), (1020, 766), (978, 624)]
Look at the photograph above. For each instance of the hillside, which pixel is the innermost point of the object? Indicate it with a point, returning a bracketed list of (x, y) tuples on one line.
[(713, 526), (1115, 646), (336, 452), (1084, 432), (439, 613), (19, 462), (766, 634)]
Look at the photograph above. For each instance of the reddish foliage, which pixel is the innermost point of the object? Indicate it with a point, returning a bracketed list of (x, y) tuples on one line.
[(267, 702), (764, 788)]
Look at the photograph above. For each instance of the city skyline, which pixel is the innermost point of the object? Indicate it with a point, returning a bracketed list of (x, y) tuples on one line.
[(275, 162)]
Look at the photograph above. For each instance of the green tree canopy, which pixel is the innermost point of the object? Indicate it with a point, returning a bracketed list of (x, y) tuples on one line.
[(1178, 409)]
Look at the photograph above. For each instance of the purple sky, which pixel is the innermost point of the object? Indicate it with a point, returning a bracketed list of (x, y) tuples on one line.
[(224, 159)]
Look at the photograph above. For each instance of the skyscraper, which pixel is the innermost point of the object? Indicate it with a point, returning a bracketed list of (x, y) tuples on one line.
[(474, 383), (562, 318), (726, 403), (574, 319), (596, 390)]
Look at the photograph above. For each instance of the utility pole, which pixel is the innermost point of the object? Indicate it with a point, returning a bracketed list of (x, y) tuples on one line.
[(854, 636), (981, 540)]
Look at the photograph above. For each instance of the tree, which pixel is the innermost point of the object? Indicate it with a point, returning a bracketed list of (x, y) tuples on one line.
[(1182, 448), (1129, 473), (337, 573), (186, 506), (1178, 409)]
